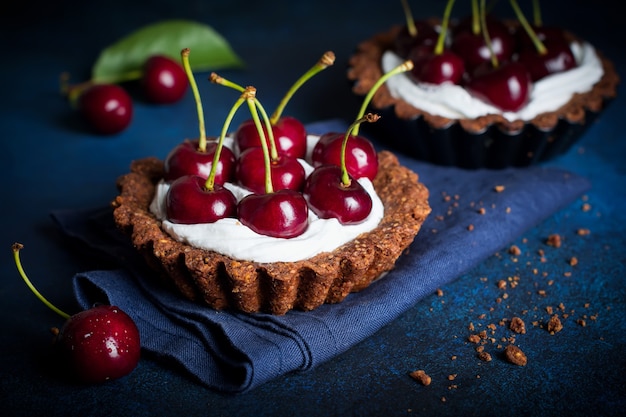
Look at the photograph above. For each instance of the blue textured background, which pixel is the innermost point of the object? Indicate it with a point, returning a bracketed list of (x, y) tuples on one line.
[(49, 161)]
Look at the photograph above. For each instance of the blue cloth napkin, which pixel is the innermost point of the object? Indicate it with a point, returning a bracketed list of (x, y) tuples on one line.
[(235, 352)]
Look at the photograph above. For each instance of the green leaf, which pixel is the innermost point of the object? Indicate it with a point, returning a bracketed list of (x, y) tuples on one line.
[(123, 60)]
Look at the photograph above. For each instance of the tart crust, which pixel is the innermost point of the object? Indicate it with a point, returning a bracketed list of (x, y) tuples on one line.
[(222, 282), (365, 69)]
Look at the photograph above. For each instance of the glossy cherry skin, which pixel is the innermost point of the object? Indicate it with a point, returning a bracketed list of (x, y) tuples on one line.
[(446, 67), (289, 136), (107, 108), (286, 172), (361, 156), (473, 50), (328, 197), (506, 87), (164, 80), (424, 41), (189, 202), (186, 159), (100, 344), (558, 58), (282, 214)]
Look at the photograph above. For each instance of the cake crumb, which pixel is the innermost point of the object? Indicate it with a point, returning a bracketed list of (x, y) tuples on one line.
[(517, 325), (484, 356), (515, 355), (482, 210), (573, 261), (421, 376), (554, 324), (470, 227), (583, 232), (554, 240), (515, 250), (499, 188), (439, 292)]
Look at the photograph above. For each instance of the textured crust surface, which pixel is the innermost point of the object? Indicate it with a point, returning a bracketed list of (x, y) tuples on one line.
[(225, 283), (365, 69)]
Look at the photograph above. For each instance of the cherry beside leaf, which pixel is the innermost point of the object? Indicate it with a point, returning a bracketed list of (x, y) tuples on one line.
[(107, 108), (163, 80), (96, 345)]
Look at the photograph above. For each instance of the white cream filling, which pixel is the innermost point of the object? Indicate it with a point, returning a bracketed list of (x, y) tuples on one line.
[(454, 102), (230, 237)]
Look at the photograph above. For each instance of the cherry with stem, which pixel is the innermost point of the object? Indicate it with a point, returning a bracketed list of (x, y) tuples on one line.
[(280, 214), (195, 157), (333, 193), (98, 344)]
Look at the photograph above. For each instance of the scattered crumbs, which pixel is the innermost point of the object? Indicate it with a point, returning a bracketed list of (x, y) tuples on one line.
[(482, 210), (515, 355), (453, 357), (567, 274), (541, 292), (508, 210), (515, 250), (471, 327), (517, 325), (421, 377), (484, 356), (470, 227), (451, 377), (554, 324), (499, 188), (586, 207), (473, 338), (549, 310), (583, 232), (554, 240), (581, 322), (439, 292), (443, 399)]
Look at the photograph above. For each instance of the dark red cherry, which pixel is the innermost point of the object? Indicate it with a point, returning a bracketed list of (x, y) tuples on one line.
[(438, 68), (286, 172), (188, 201), (558, 58), (163, 80), (100, 344), (282, 214), (328, 197), (473, 50), (543, 33), (361, 156), (106, 107), (289, 136), (506, 87), (187, 159), (424, 40)]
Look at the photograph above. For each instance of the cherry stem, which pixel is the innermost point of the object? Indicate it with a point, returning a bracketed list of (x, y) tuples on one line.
[(485, 31), (16, 254), (216, 79), (541, 48), (324, 62), (210, 181), (250, 95), (370, 118), (537, 13), (410, 22), (405, 66), (475, 18), (196, 95), (444, 28)]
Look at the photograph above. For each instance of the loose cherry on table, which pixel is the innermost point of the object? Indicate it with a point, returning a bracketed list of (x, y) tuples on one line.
[(196, 157), (333, 193), (289, 133), (96, 345), (106, 107), (164, 80), (441, 65)]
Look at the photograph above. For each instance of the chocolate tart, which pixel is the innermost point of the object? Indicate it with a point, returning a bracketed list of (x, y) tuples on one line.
[(222, 282), (489, 141)]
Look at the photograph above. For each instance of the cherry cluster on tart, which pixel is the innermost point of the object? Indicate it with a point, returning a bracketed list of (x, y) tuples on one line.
[(245, 257), (485, 91)]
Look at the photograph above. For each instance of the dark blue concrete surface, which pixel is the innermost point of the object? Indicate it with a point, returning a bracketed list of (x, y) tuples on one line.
[(49, 161)]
